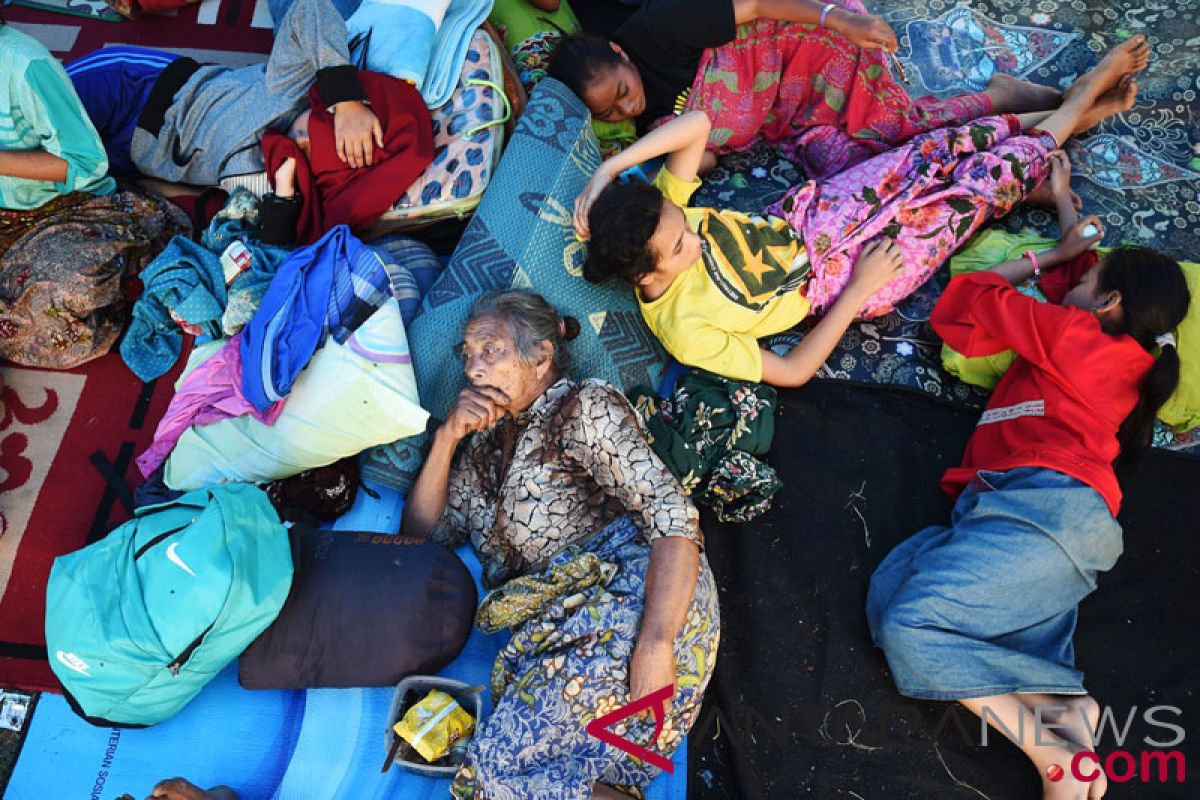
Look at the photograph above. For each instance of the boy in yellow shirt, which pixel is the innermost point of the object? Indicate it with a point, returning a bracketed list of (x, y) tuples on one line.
[(712, 283)]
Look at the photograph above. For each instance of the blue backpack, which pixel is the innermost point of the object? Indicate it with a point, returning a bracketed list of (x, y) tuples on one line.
[(140, 621)]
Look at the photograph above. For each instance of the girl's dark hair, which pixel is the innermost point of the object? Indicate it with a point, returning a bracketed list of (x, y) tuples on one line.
[(1154, 299), (620, 223), (579, 58), (532, 320)]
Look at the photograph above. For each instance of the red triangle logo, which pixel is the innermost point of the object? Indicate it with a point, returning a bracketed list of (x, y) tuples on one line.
[(656, 701)]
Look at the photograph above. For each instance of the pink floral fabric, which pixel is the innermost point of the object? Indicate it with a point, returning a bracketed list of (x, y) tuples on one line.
[(930, 195), (210, 393), (826, 103)]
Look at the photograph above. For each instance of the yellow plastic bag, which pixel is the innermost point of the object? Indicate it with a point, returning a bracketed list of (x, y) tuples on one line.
[(433, 725)]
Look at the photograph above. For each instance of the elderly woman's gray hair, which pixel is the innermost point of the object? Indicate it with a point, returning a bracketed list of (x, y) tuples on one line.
[(531, 320)]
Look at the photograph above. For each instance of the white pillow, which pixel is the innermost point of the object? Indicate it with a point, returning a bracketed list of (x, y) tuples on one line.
[(350, 397)]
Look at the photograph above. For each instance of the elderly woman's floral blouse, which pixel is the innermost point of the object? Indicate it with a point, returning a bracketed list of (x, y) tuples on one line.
[(570, 464)]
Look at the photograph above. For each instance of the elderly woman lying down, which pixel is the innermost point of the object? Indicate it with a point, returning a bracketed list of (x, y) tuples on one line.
[(595, 551)]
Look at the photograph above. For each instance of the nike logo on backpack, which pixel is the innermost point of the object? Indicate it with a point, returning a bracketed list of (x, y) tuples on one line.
[(177, 561), (73, 662)]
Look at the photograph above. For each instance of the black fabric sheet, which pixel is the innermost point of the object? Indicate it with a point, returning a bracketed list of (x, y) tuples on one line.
[(802, 703), (602, 17)]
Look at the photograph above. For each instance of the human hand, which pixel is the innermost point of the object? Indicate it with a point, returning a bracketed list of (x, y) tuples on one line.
[(177, 789), (651, 667), (868, 31), (583, 204), (1074, 241), (356, 132), (477, 408), (878, 263), (285, 179), (1060, 173)]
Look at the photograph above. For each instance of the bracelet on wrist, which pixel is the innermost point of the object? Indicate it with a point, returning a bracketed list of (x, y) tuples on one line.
[(825, 14), (1032, 257)]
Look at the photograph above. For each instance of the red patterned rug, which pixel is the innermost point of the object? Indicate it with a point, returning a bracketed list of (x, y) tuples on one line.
[(230, 32), (59, 433), (58, 430)]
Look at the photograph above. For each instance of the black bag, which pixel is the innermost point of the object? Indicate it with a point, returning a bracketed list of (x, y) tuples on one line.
[(325, 492), (366, 609)]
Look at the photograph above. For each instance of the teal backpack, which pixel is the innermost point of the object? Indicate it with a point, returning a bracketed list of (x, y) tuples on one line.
[(140, 621)]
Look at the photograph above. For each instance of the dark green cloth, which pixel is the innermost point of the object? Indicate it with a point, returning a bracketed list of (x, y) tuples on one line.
[(708, 433)]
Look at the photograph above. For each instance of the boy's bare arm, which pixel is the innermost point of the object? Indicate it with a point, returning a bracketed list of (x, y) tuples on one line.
[(682, 140), (877, 265)]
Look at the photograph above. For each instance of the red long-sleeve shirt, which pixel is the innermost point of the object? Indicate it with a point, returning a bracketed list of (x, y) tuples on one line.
[(1061, 403)]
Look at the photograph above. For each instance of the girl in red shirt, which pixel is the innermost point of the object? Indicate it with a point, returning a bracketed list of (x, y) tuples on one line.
[(983, 611)]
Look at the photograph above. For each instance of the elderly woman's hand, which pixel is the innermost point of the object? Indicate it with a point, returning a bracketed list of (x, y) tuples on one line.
[(477, 408), (651, 667)]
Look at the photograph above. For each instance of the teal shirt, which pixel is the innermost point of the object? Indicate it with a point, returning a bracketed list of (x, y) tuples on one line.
[(39, 110)]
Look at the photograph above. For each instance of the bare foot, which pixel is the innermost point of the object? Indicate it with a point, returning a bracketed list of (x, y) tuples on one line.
[(1077, 723), (1116, 100), (1059, 781), (1012, 95), (1130, 56), (1073, 727)]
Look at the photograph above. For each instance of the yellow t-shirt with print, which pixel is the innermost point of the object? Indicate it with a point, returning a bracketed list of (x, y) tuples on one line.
[(748, 283)]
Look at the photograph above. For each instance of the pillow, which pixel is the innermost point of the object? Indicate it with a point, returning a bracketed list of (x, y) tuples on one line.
[(350, 397), (522, 237), (468, 135), (366, 609), (420, 41), (1182, 409), (991, 247), (396, 37)]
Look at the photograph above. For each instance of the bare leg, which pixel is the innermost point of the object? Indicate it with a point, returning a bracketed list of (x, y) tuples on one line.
[(1129, 57), (1081, 721), (1079, 715), (1084, 93), (1009, 714), (1012, 95), (1033, 119), (1116, 100)]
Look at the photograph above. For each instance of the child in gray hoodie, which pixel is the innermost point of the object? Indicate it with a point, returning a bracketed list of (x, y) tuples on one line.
[(171, 118)]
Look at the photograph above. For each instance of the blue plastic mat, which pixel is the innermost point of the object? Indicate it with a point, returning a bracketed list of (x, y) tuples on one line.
[(325, 744)]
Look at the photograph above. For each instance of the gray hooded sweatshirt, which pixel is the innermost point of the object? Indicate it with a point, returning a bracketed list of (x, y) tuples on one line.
[(213, 125)]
